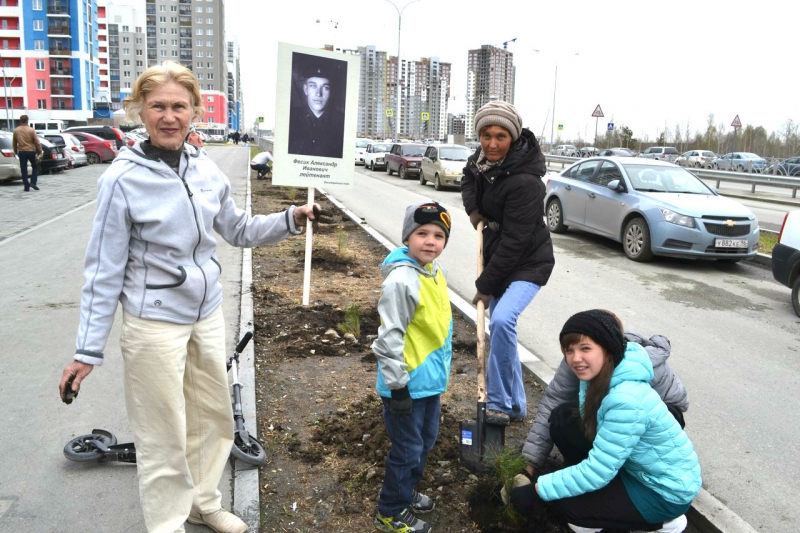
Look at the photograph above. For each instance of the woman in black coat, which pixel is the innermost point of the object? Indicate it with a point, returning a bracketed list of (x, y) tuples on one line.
[(502, 186)]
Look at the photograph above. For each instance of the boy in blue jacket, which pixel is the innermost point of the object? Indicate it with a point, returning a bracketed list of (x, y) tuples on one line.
[(414, 350)]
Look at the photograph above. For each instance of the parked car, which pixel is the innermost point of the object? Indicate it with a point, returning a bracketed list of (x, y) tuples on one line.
[(696, 159), (405, 159), (790, 167), (740, 162), (375, 155), (566, 150), (661, 153), (104, 132), (615, 152), (97, 150), (9, 162), (53, 159), (652, 208), (786, 257), (361, 146), (72, 147), (444, 164), (587, 151)]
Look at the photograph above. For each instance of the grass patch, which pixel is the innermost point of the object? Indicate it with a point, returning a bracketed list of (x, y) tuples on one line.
[(766, 242), (254, 149)]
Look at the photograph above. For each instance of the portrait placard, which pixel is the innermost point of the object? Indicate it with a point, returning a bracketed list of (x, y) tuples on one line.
[(315, 118)]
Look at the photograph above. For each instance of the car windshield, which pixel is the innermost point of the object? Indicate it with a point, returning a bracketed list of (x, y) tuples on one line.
[(454, 154), (362, 143), (748, 155), (413, 150), (670, 179), (709, 154), (381, 147)]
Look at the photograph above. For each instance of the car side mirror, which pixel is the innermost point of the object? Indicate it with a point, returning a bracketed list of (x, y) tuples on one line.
[(616, 186)]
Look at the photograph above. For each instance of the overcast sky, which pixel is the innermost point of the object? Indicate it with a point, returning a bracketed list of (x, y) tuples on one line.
[(649, 65)]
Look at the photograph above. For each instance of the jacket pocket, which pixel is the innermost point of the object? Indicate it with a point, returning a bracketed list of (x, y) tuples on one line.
[(169, 285)]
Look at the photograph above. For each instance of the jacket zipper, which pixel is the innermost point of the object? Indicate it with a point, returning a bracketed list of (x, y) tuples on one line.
[(199, 239)]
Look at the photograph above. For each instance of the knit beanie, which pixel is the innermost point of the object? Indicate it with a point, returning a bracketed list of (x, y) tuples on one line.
[(428, 212), (602, 327), (499, 113)]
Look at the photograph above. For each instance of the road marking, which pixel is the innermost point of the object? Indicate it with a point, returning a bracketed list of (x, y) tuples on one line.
[(39, 226), (5, 505)]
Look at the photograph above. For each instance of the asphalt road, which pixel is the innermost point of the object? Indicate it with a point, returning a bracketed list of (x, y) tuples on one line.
[(734, 337), (43, 236)]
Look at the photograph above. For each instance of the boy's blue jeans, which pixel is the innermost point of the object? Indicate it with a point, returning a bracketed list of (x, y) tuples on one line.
[(412, 437), (505, 391)]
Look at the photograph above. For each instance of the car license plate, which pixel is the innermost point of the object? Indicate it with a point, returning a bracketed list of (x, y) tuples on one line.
[(730, 243)]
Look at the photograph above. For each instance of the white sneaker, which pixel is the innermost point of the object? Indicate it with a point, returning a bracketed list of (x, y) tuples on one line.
[(673, 526), (579, 529)]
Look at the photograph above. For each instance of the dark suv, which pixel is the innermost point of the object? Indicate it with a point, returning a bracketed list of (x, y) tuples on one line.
[(104, 132)]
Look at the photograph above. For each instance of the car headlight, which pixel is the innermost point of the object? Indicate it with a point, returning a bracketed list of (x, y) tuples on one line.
[(675, 218)]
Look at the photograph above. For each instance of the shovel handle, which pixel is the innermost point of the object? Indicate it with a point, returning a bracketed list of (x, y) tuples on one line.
[(479, 324)]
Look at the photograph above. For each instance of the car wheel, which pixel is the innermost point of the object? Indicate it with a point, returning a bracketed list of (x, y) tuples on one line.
[(796, 295), (402, 173), (422, 180), (368, 167), (740, 168), (92, 158), (555, 216), (636, 241), (697, 165), (437, 183), (388, 169)]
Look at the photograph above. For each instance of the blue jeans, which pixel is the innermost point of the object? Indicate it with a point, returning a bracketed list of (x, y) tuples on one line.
[(412, 437), (24, 157), (504, 389)]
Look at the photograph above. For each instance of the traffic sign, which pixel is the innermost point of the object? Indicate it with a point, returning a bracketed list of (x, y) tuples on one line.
[(260, 119), (560, 127), (610, 126), (425, 115), (736, 122), (597, 111), (390, 112)]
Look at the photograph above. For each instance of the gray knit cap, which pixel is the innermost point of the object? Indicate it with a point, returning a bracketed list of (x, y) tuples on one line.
[(499, 113), (427, 212)]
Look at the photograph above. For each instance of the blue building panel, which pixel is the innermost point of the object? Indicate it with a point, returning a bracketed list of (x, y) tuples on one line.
[(28, 16)]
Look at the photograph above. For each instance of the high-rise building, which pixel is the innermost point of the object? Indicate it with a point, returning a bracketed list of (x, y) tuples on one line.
[(456, 124), (373, 90), (122, 52), (425, 90), (49, 59), (490, 76)]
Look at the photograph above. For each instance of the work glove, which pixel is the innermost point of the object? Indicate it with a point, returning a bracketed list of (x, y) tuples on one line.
[(520, 480), (480, 297), (401, 403), (476, 217)]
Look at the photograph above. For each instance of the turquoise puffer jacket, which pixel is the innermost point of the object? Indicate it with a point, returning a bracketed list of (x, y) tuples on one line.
[(635, 431)]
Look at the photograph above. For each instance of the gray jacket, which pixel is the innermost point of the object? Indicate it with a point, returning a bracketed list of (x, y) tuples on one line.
[(564, 389), (153, 246)]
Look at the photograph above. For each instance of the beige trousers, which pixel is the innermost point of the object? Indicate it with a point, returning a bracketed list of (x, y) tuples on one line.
[(179, 409)]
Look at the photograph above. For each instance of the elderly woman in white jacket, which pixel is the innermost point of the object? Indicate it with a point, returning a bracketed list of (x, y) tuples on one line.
[(160, 205)]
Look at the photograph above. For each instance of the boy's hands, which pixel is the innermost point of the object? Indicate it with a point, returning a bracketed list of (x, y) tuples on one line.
[(401, 403)]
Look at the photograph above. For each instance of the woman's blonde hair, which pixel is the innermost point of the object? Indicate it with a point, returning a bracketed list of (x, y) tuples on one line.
[(159, 75)]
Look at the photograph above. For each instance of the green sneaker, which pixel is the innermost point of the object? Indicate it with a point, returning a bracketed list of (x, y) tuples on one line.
[(404, 522), (421, 503)]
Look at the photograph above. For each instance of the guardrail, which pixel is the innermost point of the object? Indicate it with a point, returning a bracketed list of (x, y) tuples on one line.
[(754, 180)]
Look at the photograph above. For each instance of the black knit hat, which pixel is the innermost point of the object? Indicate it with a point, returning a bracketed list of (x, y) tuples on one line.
[(427, 212), (602, 327)]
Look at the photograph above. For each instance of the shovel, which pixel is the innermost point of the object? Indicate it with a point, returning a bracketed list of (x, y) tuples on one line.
[(479, 439)]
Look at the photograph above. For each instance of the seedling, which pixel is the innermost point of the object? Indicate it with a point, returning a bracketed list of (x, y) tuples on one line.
[(352, 320)]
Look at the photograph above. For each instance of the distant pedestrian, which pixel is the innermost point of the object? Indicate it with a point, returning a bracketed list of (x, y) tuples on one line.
[(245, 138), (414, 350), (26, 145), (262, 163), (236, 137)]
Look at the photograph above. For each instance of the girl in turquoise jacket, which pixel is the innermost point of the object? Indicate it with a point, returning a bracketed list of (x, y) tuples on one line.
[(629, 464)]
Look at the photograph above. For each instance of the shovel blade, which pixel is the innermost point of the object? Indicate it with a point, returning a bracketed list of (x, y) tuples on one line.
[(471, 446)]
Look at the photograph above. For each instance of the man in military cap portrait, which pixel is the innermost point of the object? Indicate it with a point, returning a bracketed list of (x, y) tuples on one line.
[(316, 127)]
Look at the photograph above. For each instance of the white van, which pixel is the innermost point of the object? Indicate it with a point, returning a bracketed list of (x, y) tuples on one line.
[(47, 126)]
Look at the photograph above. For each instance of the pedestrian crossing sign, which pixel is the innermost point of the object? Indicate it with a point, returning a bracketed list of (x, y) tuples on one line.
[(736, 122), (260, 120), (560, 127), (425, 115), (390, 112)]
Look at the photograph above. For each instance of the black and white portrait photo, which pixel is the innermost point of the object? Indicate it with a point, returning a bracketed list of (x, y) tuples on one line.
[(316, 118)]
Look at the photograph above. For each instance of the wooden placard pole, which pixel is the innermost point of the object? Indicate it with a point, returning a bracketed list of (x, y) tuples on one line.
[(309, 240), (479, 325)]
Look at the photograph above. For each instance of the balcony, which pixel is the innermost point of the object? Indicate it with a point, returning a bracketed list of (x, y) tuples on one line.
[(186, 56), (57, 7), (60, 52), (151, 55), (62, 104), (66, 91), (185, 10), (185, 21), (62, 71), (58, 28), (151, 9)]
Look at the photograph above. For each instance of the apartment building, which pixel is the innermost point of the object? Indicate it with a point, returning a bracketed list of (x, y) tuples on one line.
[(424, 93), (234, 88), (490, 76), (373, 94)]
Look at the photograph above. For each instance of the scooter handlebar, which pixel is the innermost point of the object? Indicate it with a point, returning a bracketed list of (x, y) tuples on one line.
[(243, 343)]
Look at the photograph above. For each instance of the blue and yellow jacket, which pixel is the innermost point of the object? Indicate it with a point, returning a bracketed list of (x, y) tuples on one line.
[(415, 339)]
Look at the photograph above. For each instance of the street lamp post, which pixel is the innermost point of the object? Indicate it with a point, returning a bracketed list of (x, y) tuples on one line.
[(397, 86), (555, 85)]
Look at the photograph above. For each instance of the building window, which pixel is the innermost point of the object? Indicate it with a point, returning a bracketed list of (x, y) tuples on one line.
[(198, 20), (209, 20), (163, 42), (138, 40), (163, 53), (199, 9), (210, 65), (126, 51), (174, 9), (162, 8), (38, 44), (210, 97), (199, 31), (138, 29), (210, 31), (162, 31), (210, 75), (126, 73), (209, 43), (199, 42), (126, 40), (139, 63), (126, 62), (174, 31), (162, 20), (40, 85), (199, 64), (39, 64), (173, 20), (38, 24), (126, 29), (210, 87), (199, 75), (174, 53), (211, 109), (210, 54), (37, 5), (199, 53), (209, 9), (41, 104), (174, 42)]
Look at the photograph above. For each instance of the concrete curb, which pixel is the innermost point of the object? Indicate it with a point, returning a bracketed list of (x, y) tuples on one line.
[(246, 504), (707, 513)]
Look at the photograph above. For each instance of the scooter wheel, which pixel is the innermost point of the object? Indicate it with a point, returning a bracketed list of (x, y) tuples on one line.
[(82, 449), (251, 452)]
